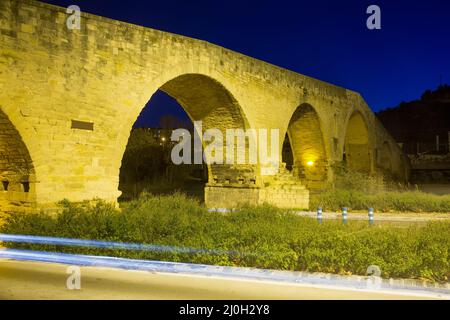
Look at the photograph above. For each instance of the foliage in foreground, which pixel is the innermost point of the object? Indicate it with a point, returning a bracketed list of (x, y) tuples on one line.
[(263, 237)]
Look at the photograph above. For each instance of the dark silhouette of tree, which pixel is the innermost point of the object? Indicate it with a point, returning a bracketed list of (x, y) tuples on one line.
[(419, 121)]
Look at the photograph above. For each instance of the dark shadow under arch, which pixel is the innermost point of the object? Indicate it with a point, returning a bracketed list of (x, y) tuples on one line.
[(205, 99)]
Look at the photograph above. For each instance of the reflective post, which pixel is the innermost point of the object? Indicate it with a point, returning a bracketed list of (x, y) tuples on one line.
[(344, 215), (371, 216), (319, 214)]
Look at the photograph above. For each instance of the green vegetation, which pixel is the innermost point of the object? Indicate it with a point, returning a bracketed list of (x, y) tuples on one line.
[(263, 237), (359, 191), (407, 201)]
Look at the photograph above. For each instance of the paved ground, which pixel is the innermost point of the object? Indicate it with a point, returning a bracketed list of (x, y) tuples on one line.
[(36, 280)]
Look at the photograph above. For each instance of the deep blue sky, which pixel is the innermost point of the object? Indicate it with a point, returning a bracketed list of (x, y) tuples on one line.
[(323, 39)]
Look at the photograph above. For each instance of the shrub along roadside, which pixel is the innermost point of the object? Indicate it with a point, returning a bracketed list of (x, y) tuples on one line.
[(406, 201), (360, 191), (264, 236)]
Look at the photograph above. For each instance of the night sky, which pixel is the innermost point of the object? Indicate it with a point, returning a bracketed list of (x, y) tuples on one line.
[(327, 40)]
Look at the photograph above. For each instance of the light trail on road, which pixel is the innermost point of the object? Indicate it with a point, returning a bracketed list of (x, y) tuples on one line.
[(324, 281)]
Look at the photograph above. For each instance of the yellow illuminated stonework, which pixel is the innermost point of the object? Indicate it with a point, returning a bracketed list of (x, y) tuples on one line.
[(69, 98)]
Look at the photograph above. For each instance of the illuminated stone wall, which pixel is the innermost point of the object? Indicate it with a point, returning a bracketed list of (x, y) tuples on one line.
[(72, 96)]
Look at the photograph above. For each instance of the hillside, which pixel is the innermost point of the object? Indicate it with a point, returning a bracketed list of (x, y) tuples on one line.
[(419, 121)]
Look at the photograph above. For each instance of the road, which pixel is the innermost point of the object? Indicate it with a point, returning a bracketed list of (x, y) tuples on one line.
[(37, 280)]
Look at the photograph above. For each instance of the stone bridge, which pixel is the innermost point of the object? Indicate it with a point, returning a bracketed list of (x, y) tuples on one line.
[(69, 98)]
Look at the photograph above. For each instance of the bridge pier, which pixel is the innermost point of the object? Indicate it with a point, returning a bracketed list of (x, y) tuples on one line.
[(292, 197)]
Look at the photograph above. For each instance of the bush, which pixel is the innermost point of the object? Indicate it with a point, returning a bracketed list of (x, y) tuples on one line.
[(263, 237), (360, 191), (407, 201), (347, 179)]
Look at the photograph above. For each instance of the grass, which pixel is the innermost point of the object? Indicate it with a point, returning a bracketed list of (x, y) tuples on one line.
[(263, 237), (359, 191), (405, 201)]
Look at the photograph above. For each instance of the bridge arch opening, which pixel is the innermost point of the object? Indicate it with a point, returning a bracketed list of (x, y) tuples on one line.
[(357, 151), (304, 150), (199, 98), (17, 174)]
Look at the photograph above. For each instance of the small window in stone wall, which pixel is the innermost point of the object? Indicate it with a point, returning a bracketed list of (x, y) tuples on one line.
[(82, 125), (5, 185), (25, 186)]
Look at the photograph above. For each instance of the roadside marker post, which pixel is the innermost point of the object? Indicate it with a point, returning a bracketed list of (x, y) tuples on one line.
[(319, 214), (371, 221), (344, 215)]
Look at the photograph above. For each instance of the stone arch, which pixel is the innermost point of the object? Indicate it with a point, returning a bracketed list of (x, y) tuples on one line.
[(357, 147), (308, 148), (17, 174), (385, 159), (206, 99)]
